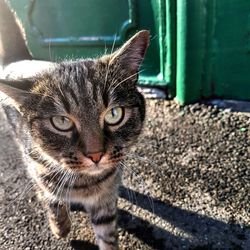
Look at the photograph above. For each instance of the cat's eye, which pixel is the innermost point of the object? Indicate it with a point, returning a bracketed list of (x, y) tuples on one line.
[(62, 123), (114, 116)]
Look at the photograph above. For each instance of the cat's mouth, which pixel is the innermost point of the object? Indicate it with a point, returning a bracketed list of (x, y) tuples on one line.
[(84, 165)]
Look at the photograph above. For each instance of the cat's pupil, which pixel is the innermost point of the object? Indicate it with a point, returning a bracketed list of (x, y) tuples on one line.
[(114, 112), (63, 120)]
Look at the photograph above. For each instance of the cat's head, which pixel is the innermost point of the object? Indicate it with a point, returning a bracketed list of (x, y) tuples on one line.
[(84, 114)]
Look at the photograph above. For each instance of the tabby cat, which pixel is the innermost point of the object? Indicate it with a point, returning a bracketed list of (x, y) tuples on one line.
[(74, 123)]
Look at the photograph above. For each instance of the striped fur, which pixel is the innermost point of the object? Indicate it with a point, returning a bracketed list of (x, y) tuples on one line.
[(59, 162)]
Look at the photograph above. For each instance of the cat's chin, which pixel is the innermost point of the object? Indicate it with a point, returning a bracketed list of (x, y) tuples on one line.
[(94, 169), (97, 170)]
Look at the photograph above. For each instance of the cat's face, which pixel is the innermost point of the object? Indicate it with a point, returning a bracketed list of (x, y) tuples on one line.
[(81, 121), (85, 114)]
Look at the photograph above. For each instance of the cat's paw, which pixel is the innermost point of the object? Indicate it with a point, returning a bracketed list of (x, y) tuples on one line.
[(60, 230)]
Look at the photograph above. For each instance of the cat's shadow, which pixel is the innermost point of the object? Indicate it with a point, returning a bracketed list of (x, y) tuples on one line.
[(205, 231), (198, 231), (82, 245)]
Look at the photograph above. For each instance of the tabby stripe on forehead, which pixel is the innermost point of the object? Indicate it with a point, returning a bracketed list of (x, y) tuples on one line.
[(73, 95), (79, 78), (74, 79), (95, 93), (64, 101)]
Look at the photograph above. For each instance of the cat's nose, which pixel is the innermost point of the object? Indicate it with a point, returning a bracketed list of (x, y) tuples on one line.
[(95, 157)]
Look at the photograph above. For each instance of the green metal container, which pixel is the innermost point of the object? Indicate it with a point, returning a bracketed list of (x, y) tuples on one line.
[(58, 29), (199, 48), (213, 38)]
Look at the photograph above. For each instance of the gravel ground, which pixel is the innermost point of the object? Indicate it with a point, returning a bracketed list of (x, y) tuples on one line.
[(186, 186)]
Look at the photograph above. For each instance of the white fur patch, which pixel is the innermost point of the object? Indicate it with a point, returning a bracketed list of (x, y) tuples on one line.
[(25, 69)]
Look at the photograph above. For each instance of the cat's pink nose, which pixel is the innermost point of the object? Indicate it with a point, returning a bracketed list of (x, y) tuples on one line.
[(95, 157)]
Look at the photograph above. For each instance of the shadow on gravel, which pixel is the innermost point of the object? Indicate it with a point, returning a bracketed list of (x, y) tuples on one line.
[(82, 245), (205, 231), (232, 105), (149, 234)]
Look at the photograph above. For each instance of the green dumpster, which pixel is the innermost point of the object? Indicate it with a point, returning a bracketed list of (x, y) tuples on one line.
[(58, 29), (213, 42), (199, 48)]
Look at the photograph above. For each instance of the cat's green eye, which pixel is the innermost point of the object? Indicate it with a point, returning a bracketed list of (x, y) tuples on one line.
[(114, 116), (62, 123)]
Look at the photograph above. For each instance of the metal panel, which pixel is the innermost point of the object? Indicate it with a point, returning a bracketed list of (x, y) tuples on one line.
[(198, 48), (213, 58), (191, 30), (72, 29), (231, 49)]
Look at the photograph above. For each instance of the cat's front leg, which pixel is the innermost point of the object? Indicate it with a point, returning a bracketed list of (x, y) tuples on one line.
[(104, 221), (59, 220)]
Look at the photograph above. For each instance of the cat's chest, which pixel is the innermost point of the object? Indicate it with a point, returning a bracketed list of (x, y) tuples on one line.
[(59, 185)]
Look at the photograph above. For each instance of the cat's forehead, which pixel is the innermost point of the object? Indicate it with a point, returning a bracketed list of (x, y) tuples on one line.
[(85, 88), (77, 72), (79, 85), (84, 75)]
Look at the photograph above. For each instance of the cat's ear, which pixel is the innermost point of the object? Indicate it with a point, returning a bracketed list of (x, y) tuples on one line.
[(17, 90), (131, 54)]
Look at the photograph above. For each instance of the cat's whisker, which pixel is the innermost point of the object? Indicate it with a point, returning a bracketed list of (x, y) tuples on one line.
[(106, 76), (56, 191), (59, 183), (113, 45), (133, 172), (60, 192), (25, 193), (19, 197), (67, 197), (61, 188), (26, 190), (65, 178), (53, 175), (105, 49), (140, 183), (130, 192), (113, 87), (53, 198), (147, 142), (140, 158), (50, 57), (108, 65)]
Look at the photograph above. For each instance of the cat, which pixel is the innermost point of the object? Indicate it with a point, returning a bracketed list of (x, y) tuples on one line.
[(74, 123)]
